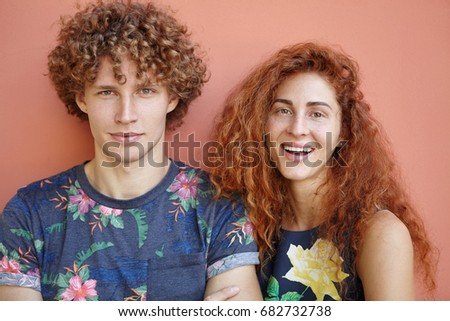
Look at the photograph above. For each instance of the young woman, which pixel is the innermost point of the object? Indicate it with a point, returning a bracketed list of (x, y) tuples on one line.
[(330, 214)]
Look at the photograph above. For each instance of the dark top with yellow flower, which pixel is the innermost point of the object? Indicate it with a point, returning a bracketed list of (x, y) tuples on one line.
[(63, 238), (307, 268)]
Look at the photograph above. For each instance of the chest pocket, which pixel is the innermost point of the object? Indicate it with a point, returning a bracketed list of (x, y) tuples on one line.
[(177, 278)]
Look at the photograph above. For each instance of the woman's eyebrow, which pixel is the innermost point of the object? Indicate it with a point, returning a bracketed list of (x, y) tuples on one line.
[(318, 103), (283, 101)]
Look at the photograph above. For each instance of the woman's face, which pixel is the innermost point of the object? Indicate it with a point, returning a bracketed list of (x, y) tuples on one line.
[(304, 127)]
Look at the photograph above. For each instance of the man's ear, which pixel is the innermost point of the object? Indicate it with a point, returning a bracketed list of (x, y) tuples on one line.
[(79, 98), (173, 102)]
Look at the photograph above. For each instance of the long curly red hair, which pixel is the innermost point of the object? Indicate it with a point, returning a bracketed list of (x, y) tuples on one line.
[(369, 181)]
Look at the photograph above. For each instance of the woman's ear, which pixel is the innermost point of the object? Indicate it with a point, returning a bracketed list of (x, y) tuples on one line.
[(79, 98)]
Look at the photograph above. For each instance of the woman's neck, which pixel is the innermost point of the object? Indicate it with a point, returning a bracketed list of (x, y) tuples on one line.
[(306, 204)]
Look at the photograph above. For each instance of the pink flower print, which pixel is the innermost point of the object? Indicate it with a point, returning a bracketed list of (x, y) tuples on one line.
[(83, 201), (9, 265), (185, 187), (34, 272), (248, 228), (107, 211), (78, 291)]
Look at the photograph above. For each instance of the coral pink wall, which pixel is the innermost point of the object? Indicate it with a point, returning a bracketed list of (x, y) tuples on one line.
[(403, 48)]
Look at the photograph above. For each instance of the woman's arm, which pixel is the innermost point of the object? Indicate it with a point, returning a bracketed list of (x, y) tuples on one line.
[(17, 293), (239, 283), (385, 259)]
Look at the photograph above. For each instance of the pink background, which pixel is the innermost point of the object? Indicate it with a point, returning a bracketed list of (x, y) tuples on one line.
[(403, 48)]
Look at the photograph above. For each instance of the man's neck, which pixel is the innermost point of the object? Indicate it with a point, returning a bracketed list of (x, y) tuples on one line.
[(125, 181)]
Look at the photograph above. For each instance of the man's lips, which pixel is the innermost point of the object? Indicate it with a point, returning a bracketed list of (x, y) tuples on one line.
[(128, 137)]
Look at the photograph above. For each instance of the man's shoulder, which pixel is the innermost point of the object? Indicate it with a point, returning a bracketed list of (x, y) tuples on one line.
[(183, 167), (197, 176), (200, 182), (54, 182)]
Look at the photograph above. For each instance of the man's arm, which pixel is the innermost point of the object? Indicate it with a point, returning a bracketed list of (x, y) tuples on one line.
[(17, 293), (243, 277)]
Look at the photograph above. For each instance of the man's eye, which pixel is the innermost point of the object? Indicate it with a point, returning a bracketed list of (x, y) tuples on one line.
[(146, 91), (105, 92)]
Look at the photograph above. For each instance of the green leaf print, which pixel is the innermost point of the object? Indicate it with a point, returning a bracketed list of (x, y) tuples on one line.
[(38, 244), (117, 222), (73, 208), (205, 228), (273, 290), (62, 280), (14, 255), (92, 298), (3, 250), (142, 289), (186, 204), (73, 190), (160, 251), (56, 228), (84, 274), (104, 220), (59, 294), (22, 233), (51, 278), (84, 255), (206, 193), (291, 296), (142, 226)]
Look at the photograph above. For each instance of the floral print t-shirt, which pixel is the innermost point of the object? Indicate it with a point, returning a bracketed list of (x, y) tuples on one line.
[(63, 238), (307, 268)]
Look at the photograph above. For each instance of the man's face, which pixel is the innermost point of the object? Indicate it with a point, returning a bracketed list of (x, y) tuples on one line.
[(127, 120)]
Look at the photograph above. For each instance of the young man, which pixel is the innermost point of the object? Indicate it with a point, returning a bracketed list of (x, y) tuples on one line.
[(130, 224)]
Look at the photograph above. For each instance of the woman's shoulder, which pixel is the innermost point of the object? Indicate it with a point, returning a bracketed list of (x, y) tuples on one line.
[(385, 236), (385, 225), (385, 259)]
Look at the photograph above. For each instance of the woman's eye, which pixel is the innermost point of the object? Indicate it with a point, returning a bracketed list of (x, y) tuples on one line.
[(317, 114), (283, 111)]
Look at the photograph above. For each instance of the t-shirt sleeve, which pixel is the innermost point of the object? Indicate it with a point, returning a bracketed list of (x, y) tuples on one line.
[(19, 246), (231, 242)]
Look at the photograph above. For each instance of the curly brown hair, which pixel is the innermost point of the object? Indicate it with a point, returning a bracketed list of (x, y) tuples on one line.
[(152, 38), (369, 181)]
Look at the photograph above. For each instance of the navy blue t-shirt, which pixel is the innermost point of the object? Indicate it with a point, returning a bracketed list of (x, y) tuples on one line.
[(65, 239), (307, 268)]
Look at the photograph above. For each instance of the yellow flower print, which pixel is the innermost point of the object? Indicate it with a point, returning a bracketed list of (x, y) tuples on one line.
[(317, 267)]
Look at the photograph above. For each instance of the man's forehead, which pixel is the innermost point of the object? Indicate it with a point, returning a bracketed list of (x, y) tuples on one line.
[(127, 67)]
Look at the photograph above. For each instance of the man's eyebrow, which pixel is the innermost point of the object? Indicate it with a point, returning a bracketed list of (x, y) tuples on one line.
[(100, 86)]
